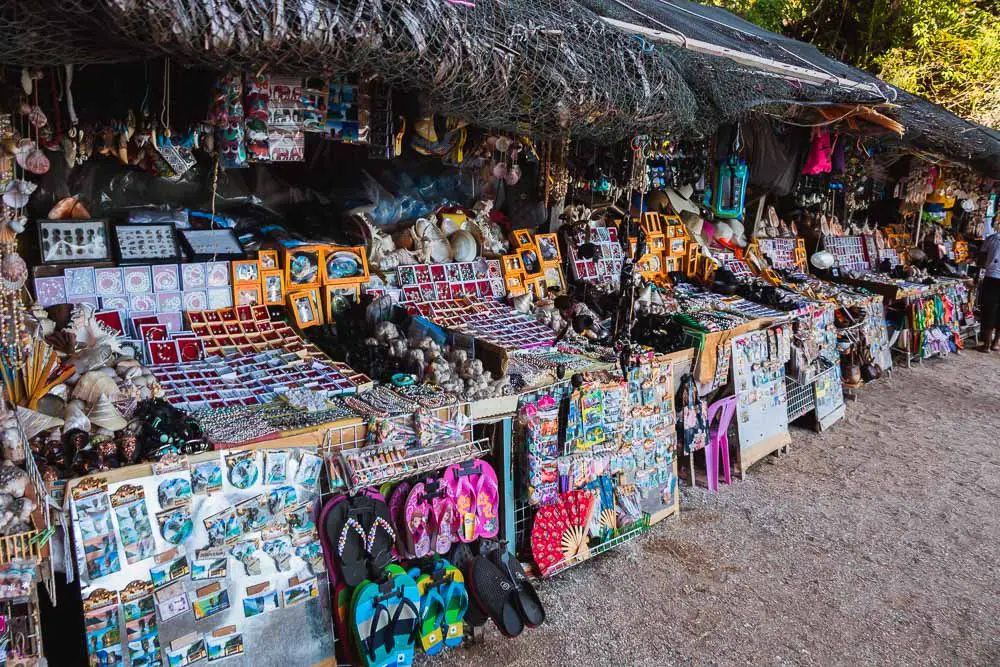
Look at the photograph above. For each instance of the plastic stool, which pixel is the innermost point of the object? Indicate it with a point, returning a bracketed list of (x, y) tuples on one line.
[(718, 441)]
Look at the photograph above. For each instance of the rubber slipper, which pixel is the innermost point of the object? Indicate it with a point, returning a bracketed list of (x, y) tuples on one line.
[(342, 609), (346, 537), (524, 595), (417, 513), (456, 603), (369, 620), (397, 503), (487, 502), (328, 544), (474, 615), (432, 608), (444, 524), (465, 505), (404, 622), (380, 537), (490, 588)]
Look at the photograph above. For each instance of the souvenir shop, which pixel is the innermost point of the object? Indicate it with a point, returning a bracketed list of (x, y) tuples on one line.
[(296, 357)]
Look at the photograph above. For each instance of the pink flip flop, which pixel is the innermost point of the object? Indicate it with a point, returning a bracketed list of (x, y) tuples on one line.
[(417, 513), (397, 501), (444, 520), (487, 502), (465, 505)]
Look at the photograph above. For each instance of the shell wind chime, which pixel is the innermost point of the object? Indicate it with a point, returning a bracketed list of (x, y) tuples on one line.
[(14, 339)]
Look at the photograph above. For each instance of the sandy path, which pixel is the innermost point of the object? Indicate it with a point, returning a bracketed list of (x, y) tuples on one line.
[(876, 542)]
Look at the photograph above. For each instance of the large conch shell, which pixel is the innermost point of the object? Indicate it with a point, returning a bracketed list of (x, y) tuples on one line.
[(92, 385), (34, 422), (74, 417), (69, 208), (18, 192), (463, 246), (105, 415)]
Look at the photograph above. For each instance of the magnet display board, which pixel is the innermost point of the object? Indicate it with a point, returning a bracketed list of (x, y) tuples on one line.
[(216, 559), (758, 362)]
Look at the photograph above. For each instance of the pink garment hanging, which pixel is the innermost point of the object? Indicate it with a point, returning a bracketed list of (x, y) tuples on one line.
[(820, 154)]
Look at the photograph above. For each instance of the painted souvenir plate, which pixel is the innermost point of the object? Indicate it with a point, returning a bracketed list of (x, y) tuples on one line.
[(343, 265), (244, 474)]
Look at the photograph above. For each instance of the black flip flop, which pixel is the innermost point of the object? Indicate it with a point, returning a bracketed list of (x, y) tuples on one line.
[(381, 536), (491, 591), (524, 596), (342, 523)]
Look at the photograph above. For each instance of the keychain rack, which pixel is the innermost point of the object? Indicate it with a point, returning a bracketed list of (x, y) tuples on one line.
[(418, 464)]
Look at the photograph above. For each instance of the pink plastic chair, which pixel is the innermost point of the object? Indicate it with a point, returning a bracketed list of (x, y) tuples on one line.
[(718, 441)]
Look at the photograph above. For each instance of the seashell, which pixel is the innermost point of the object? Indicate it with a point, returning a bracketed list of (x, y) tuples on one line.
[(499, 170), (92, 385), (449, 225), (34, 422), (51, 405), (27, 85), (36, 162), (513, 175), (13, 480), (18, 192), (106, 416), (439, 251), (463, 246), (17, 224), (14, 271), (522, 303), (37, 117), (74, 417), (502, 144), (69, 208)]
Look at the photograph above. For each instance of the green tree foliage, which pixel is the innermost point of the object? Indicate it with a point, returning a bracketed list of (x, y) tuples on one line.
[(946, 50)]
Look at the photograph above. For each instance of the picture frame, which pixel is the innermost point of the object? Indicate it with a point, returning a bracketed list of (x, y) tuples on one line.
[(344, 264), (304, 307), (338, 299), (531, 262), (247, 295), (273, 284), (548, 248), (73, 241), (554, 278), (246, 272), (146, 244), (268, 259), (212, 244), (302, 267), (522, 238)]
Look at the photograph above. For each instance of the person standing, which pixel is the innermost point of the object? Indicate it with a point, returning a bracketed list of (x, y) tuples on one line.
[(989, 291)]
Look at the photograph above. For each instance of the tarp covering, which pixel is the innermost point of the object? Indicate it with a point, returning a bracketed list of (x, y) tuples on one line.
[(543, 67)]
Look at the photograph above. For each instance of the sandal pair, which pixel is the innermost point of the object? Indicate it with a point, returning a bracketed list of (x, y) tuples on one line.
[(501, 590), (473, 487), (384, 619), (357, 536), (443, 603)]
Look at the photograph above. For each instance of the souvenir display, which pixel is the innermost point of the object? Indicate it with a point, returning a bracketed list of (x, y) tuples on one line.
[(146, 243), (211, 244), (62, 241)]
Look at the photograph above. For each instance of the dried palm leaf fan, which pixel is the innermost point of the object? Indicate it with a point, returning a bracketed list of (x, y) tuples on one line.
[(559, 535), (609, 520)]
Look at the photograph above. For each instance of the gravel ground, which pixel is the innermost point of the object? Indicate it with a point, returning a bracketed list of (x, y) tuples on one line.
[(873, 543)]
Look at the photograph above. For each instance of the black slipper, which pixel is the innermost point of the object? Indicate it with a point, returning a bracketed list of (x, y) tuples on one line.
[(462, 553), (346, 535), (380, 534), (524, 596), (491, 591)]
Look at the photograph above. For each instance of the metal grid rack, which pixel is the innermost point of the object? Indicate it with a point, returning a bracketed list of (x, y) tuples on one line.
[(625, 535), (417, 464), (801, 400)]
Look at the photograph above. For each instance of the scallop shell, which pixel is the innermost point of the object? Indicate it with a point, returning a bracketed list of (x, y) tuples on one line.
[(14, 270), (106, 416), (37, 117), (74, 417), (93, 385), (34, 422), (18, 192), (36, 162)]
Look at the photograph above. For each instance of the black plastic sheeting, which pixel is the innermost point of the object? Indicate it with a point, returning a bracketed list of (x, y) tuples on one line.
[(543, 67)]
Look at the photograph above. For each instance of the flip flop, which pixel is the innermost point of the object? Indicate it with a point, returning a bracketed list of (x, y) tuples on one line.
[(369, 621), (490, 588), (487, 502), (417, 515), (397, 502), (465, 504), (380, 537), (327, 544), (404, 621), (443, 510), (342, 609), (432, 612), (524, 595), (347, 539), (456, 603)]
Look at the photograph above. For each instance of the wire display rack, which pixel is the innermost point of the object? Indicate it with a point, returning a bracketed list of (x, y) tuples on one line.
[(418, 463), (623, 536), (801, 400)]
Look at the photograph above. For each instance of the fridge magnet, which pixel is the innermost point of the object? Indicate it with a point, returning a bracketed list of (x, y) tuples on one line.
[(134, 528)]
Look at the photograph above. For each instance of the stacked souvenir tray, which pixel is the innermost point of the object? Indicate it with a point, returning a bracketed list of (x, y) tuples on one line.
[(244, 329), (488, 321), (780, 252), (607, 262), (431, 282)]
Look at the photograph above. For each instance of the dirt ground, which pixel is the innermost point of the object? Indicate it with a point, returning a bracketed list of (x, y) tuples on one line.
[(876, 542)]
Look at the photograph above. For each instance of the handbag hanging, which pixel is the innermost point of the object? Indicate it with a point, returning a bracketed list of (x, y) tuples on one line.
[(692, 428)]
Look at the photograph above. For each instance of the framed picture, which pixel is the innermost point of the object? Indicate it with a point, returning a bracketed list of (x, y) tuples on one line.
[(344, 265), (268, 259), (305, 308), (522, 238), (146, 243), (512, 264), (529, 260), (246, 295), (302, 267), (548, 248), (246, 272), (274, 287), (62, 241), (339, 300), (212, 244), (554, 278)]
